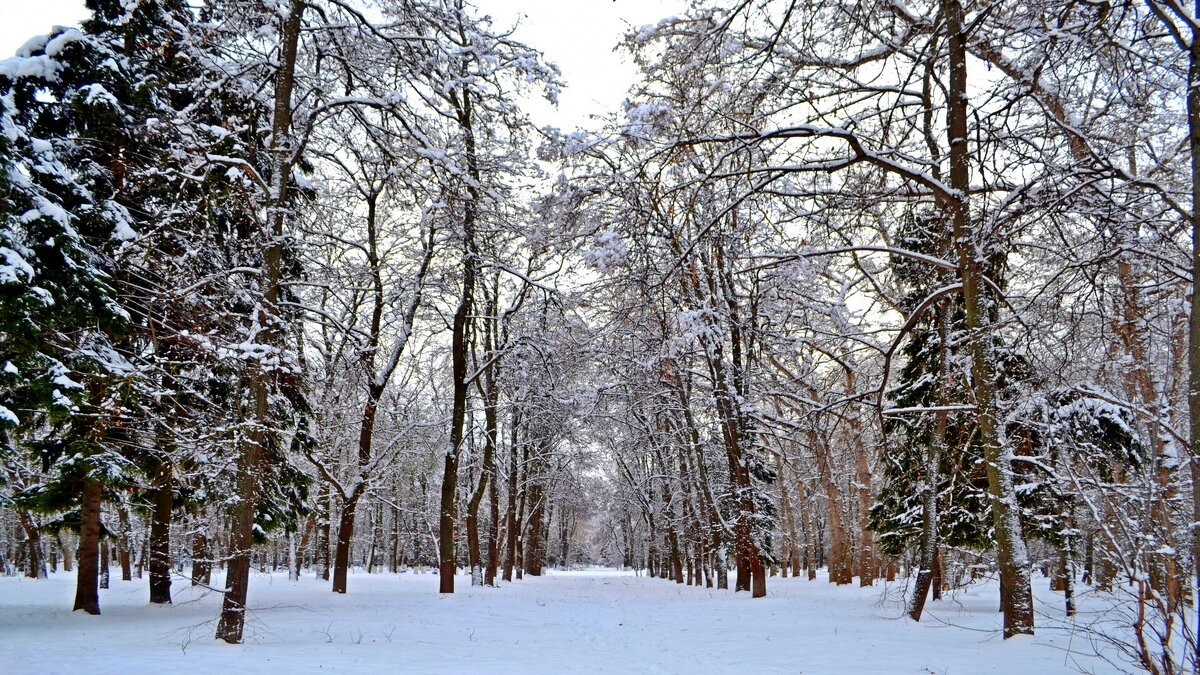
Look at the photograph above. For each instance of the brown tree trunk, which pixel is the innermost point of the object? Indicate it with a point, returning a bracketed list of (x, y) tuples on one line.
[(341, 559), (841, 565), (281, 151), (474, 557), (66, 552), (512, 524), (123, 552), (87, 590), (535, 545), (1016, 594), (1193, 109), (867, 562), (460, 338), (201, 566), (160, 536), (939, 574), (35, 566)]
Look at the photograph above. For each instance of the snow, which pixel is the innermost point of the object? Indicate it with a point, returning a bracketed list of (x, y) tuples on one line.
[(13, 267), (588, 621)]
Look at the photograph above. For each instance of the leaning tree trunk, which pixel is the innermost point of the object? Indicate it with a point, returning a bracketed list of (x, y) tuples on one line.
[(488, 477), (474, 557), (36, 565)]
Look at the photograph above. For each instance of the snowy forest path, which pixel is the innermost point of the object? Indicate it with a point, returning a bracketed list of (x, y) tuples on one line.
[(580, 621)]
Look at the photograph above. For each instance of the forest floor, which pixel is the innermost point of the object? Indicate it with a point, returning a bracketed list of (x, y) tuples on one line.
[(585, 622)]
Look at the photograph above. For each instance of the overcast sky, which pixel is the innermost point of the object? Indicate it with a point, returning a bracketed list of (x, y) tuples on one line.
[(578, 35)]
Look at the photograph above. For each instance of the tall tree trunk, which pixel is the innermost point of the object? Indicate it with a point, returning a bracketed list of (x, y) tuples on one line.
[(1193, 109), (87, 590), (474, 557), (394, 557), (487, 476), (867, 562), (493, 539), (1016, 594), (461, 333), (250, 457)]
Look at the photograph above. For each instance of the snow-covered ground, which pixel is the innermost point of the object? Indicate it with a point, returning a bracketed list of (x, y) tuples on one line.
[(590, 621)]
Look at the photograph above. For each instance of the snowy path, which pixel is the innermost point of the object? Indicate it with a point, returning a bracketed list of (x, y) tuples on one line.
[(584, 622)]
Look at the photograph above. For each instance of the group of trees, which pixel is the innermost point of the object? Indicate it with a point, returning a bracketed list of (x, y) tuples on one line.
[(233, 236), (908, 283), (864, 286)]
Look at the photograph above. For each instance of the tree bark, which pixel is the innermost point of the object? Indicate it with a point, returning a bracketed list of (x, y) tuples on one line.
[(241, 537), (160, 535), (461, 330), (534, 552), (124, 552), (201, 565), (66, 552), (1193, 110), (512, 524), (87, 590), (341, 559), (35, 564), (105, 562), (1016, 594)]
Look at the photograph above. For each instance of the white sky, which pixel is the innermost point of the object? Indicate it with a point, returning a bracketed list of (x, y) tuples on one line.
[(578, 35)]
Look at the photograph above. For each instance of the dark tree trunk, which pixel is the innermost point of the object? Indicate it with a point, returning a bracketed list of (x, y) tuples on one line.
[(35, 566), (534, 552), (241, 538), (1193, 112), (511, 521), (341, 559), (1016, 594), (124, 552), (461, 335), (87, 591), (201, 566), (160, 536)]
